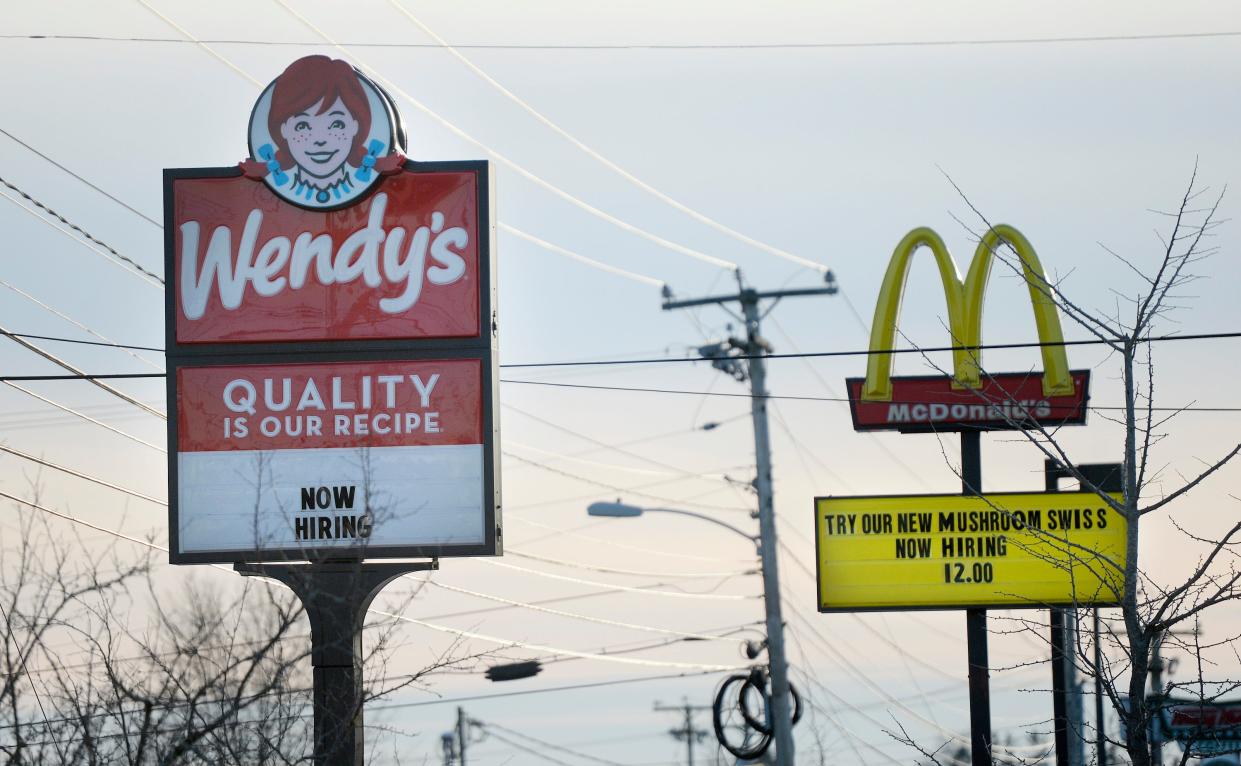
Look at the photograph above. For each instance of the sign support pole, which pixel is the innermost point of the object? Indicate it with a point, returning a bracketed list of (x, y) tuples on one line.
[(1059, 678), (976, 622), (336, 595)]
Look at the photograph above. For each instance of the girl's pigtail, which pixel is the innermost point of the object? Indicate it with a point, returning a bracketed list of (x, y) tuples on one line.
[(267, 164), (373, 162)]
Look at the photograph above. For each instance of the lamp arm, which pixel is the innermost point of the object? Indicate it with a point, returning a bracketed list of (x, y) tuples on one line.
[(704, 517)]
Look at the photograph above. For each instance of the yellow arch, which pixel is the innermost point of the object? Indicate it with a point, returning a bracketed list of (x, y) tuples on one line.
[(965, 303)]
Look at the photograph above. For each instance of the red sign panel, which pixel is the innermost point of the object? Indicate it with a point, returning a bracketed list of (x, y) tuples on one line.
[(329, 405), (1005, 402), (402, 263)]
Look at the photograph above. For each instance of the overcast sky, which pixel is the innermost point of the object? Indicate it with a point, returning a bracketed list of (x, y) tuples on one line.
[(819, 131)]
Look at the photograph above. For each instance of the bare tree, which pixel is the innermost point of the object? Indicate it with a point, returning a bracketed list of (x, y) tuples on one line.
[(101, 665), (1151, 611)]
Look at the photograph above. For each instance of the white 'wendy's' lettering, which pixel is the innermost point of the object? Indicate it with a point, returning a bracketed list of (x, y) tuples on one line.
[(282, 264)]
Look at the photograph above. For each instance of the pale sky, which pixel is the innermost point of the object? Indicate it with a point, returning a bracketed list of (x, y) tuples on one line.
[(828, 153)]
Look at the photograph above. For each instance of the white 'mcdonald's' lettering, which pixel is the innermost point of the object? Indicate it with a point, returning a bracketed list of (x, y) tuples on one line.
[(281, 263)]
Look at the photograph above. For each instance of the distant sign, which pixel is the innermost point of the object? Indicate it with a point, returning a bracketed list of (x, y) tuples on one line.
[(331, 338), (956, 551), (1203, 729), (969, 398)]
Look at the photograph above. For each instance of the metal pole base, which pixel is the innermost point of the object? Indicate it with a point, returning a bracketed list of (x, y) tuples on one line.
[(336, 595)]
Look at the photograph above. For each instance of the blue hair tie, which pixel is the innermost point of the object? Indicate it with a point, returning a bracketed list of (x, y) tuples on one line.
[(268, 154), (368, 162)]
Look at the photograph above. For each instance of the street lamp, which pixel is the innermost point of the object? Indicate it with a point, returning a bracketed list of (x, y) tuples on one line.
[(771, 605)]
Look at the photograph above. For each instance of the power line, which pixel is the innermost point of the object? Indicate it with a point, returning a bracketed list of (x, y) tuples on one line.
[(604, 161), (624, 546), (506, 642), (523, 692), (131, 263), (80, 475), (794, 398), (540, 754), (521, 170), (575, 616), (48, 159), (614, 488), (595, 584), (557, 249), (633, 389), (84, 416), (93, 379), (106, 344), (655, 46), (83, 327), (491, 727), (1224, 335), (630, 572)]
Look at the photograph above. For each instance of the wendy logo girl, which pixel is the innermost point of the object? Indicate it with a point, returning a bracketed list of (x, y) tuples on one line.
[(322, 134)]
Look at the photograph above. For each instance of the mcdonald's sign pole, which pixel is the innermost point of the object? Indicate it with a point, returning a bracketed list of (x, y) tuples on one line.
[(862, 569), (752, 348), (976, 622)]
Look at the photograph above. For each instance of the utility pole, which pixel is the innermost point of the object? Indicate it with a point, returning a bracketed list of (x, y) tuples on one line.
[(686, 731), (463, 735), (752, 349)]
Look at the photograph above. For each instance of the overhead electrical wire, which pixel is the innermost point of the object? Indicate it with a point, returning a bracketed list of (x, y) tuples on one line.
[(612, 466), (83, 416), (103, 339), (795, 398), (493, 727), (87, 477), (507, 643), (831, 391), (630, 572), (602, 160), (614, 488), (627, 588), (610, 448), (632, 389), (524, 692), (48, 159), (638, 47), (567, 253), (623, 546), (850, 669), (142, 496), (93, 379), (540, 754), (1222, 335), (571, 615), (90, 242), (512, 165)]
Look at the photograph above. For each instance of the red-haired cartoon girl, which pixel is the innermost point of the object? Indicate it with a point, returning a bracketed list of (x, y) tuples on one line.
[(322, 133)]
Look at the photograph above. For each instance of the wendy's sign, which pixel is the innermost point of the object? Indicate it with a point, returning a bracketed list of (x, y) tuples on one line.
[(331, 328), (401, 262)]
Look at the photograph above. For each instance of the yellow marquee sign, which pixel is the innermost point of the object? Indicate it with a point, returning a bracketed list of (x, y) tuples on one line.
[(965, 302), (1008, 549)]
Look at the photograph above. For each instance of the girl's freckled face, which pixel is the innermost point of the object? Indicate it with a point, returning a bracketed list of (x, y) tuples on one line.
[(320, 141)]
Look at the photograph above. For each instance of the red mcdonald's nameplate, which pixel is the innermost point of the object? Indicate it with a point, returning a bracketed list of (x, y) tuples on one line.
[(401, 263), (1005, 402)]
